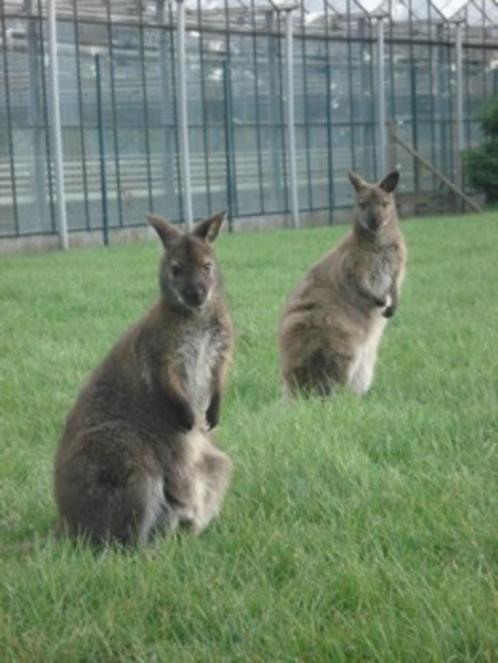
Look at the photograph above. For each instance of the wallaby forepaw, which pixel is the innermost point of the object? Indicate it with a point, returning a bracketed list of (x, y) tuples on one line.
[(213, 412), (185, 418)]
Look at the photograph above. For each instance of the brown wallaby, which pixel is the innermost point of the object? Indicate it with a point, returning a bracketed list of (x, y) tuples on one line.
[(332, 323), (135, 457)]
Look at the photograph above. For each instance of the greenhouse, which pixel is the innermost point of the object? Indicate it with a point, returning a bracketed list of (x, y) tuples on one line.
[(111, 108)]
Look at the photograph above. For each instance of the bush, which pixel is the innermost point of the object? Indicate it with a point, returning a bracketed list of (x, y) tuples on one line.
[(489, 118), (481, 164)]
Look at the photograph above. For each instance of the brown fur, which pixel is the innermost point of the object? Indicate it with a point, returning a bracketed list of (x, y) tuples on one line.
[(333, 321), (136, 455)]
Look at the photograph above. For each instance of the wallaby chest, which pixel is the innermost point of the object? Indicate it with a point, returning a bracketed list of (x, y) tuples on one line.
[(381, 265), (196, 358)]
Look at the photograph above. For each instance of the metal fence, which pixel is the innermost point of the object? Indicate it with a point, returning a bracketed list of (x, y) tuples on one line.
[(191, 107)]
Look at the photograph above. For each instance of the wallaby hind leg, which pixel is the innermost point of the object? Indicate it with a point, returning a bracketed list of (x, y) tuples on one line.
[(362, 374), (309, 378), (319, 374), (100, 508), (159, 516), (217, 471), (362, 369)]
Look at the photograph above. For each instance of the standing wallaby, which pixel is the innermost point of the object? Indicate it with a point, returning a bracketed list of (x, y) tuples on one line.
[(135, 456), (333, 321)]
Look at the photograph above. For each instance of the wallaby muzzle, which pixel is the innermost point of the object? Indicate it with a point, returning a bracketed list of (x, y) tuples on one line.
[(195, 294)]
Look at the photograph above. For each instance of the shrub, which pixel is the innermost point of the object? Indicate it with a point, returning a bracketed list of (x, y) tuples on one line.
[(481, 164)]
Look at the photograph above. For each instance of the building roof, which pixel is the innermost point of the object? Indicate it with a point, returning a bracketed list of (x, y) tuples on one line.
[(474, 12)]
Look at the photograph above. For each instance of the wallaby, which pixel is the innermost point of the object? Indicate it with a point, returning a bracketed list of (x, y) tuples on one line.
[(332, 323), (135, 457)]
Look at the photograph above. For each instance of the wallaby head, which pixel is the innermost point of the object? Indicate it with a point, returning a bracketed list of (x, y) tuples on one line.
[(189, 273), (375, 208)]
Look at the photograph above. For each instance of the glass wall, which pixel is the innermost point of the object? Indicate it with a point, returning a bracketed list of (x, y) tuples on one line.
[(236, 99)]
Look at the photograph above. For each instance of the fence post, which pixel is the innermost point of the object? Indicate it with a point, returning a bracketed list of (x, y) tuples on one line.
[(291, 133), (460, 141), (228, 141), (38, 165), (392, 146), (381, 82), (330, 164), (164, 79), (103, 182), (365, 103), (56, 124), (184, 142), (275, 152)]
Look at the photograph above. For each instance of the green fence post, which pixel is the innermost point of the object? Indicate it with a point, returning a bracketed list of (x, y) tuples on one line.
[(228, 142), (103, 186)]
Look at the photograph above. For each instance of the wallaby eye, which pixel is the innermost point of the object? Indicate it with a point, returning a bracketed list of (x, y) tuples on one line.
[(176, 269), (207, 267), (363, 204)]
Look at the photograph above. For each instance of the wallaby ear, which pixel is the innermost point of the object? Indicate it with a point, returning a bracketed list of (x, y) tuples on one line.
[(209, 228), (166, 230), (357, 181), (390, 182)]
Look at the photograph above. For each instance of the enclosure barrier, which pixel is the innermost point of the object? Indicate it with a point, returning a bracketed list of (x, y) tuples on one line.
[(253, 106)]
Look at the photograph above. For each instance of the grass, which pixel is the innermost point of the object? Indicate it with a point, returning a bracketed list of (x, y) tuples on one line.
[(355, 530)]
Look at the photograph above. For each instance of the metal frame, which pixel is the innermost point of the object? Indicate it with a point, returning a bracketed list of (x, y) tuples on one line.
[(173, 56), (329, 120), (205, 139), (56, 125), (306, 127), (165, 81), (146, 109), (381, 96), (230, 145), (103, 176), (80, 115), (48, 148), (257, 103), (289, 107), (460, 129), (38, 166), (10, 141), (115, 134), (275, 109), (183, 117)]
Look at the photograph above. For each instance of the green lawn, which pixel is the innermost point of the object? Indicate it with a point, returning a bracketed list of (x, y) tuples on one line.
[(354, 530)]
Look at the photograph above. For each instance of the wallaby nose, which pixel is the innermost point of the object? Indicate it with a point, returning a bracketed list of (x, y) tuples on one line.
[(373, 221), (195, 294)]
